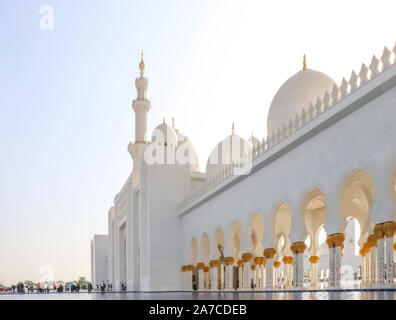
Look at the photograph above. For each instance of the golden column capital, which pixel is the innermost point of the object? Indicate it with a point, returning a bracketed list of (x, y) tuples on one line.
[(372, 241), (335, 240), (394, 246), (184, 268), (259, 260), (389, 228), (298, 247), (362, 252), (240, 263), (206, 269), (269, 253), (277, 264), (313, 259), (200, 265), (214, 263), (253, 266), (190, 267), (229, 261), (379, 231), (288, 260), (246, 257)]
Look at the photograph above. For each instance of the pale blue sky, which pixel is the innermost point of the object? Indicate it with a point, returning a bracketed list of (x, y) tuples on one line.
[(65, 102)]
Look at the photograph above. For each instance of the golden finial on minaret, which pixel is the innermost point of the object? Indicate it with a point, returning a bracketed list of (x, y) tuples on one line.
[(305, 63), (233, 129), (142, 66), (173, 123)]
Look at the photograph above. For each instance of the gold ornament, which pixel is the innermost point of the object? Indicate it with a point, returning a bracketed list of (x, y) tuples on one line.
[(269, 253)]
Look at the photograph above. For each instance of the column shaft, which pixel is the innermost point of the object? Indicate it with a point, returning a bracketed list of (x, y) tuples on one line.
[(390, 265)]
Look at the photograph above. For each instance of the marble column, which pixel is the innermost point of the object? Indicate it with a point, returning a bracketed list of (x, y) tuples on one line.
[(288, 261), (298, 249), (190, 268), (200, 267), (253, 276), (269, 254), (259, 262), (379, 236), (277, 266), (240, 274), (184, 277), (389, 229), (214, 271), (247, 271), (372, 242), (314, 270), (363, 268), (229, 261), (206, 272), (335, 242)]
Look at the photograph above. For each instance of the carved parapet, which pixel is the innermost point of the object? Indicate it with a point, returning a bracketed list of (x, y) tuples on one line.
[(335, 240), (298, 247), (389, 228), (246, 257), (269, 253), (313, 259)]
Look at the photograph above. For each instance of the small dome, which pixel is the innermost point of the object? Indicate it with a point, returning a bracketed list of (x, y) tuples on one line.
[(296, 94), (164, 135), (184, 143), (223, 154)]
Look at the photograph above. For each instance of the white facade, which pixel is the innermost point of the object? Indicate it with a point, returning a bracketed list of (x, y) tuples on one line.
[(99, 259), (280, 208)]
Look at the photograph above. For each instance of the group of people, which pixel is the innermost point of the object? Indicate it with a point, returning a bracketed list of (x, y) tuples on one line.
[(30, 288), (102, 285)]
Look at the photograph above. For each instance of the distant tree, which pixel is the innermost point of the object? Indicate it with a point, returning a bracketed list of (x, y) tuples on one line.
[(83, 283), (29, 283)]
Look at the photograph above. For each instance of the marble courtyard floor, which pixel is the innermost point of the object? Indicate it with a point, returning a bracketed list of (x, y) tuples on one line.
[(350, 294)]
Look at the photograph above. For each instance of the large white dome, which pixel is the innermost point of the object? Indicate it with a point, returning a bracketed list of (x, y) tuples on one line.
[(295, 95), (229, 150)]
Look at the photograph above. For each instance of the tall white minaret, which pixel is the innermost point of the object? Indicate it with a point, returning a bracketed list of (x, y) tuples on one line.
[(141, 105)]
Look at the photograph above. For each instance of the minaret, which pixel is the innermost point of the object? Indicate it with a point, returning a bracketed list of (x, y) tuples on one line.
[(141, 105)]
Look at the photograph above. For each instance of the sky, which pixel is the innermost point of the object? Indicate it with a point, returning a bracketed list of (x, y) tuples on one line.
[(66, 94)]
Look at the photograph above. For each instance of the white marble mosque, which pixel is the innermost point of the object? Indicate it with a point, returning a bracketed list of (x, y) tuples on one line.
[(312, 204)]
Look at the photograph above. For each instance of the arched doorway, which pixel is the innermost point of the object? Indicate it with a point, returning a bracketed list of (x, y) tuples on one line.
[(314, 210)]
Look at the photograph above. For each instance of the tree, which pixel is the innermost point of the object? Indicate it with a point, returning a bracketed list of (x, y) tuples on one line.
[(83, 282)]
